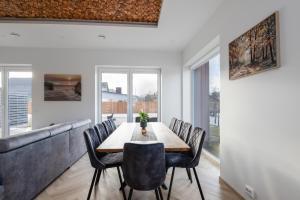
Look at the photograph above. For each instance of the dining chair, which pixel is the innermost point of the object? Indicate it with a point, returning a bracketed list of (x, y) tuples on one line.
[(172, 123), (177, 127), (185, 131), (101, 162), (108, 127), (112, 124), (188, 161), (144, 167), (101, 131)]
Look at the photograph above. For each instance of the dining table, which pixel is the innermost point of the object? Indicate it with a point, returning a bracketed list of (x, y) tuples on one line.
[(132, 132)]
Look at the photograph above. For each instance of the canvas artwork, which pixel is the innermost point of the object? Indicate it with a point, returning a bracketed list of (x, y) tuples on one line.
[(62, 87), (255, 51)]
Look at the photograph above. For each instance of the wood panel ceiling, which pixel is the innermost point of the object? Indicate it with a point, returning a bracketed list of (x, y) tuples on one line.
[(111, 11)]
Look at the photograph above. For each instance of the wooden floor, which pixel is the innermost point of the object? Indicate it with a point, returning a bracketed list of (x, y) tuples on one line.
[(75, 182)]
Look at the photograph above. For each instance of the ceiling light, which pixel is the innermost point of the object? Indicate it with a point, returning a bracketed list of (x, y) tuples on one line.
[(101, 36), (15, 34)]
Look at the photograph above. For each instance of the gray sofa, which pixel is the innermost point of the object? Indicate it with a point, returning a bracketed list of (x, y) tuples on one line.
[(30, 162)]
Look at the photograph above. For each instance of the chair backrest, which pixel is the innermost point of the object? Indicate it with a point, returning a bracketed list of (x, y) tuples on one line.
[(144, 166), (172, 123), (92, 142), (196, 143), (185, 131), (108, 127), (112, 123), (100, 129), (177, 126)]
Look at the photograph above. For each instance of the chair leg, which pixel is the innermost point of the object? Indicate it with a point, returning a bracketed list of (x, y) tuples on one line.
[(156, 194), (130, 194), (92, 184), (198, 183), (98, 176), (121, 183), (188, 171), (164, 186), (160, 194), (170, 188), (123, 186)]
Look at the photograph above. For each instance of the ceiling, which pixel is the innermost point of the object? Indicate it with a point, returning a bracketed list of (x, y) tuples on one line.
[(121, 11), (179, 21)]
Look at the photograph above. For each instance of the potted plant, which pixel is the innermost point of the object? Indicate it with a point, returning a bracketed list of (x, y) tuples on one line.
[(143, 119)]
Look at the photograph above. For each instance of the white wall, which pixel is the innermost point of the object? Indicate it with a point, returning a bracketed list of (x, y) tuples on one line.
[(83, 62), (259, 114)]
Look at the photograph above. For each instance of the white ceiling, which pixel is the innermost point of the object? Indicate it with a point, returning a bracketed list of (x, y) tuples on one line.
[(179, 22)]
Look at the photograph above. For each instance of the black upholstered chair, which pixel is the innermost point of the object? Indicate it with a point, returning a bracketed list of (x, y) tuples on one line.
[(99, 161), (185, 131), (172, 123), (188, 161), (109, 129), (144, 167), (112, 124), (101, 131), (177, 126)]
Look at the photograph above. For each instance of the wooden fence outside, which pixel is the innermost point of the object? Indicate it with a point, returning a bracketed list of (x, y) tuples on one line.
[(110, 107)]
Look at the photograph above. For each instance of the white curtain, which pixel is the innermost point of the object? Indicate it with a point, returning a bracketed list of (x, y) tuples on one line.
[(201, 98)]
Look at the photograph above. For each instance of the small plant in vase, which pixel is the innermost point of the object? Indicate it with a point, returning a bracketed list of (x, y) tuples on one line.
[(143, 121)]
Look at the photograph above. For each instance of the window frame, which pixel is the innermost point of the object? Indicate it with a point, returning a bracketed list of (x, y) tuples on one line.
[(129, 71), (5, 69)]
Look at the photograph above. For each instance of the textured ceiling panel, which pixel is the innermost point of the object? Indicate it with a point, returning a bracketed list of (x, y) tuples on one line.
[(114, 11)]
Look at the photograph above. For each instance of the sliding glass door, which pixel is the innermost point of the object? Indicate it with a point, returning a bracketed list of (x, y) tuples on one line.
[(123, 93), (145, 94), (114, 96), (15, 101), (207, 103)]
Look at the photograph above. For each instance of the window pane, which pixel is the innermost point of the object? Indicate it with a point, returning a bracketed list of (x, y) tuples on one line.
[(114, 97), (19, 102), (213, 141), (145, 95)]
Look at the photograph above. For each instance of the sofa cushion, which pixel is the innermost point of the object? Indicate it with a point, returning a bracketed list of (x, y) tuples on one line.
[(59, 128), (17, 141)]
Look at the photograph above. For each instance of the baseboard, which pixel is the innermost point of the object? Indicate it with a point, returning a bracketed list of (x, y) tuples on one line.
[(225, 183), (215, 161)]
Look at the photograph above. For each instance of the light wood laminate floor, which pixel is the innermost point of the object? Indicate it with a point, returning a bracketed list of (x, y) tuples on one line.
[(75, 182)]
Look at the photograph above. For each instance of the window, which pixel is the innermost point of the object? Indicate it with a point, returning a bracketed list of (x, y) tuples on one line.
[(114, 96), (206, 79), (122, 93), (212, 144), (16, 100), (145, 94)]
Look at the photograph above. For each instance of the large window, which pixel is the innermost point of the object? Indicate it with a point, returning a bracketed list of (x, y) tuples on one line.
[(122, 93), (206, 113), (145, 94), (16, 100), (212, 144)]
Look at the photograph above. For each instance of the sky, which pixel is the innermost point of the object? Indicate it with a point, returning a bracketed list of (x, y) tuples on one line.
[(142, 83), (16, 75), (214, 74)]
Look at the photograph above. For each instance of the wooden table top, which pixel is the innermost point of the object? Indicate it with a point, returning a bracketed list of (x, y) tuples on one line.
[(129, 132)]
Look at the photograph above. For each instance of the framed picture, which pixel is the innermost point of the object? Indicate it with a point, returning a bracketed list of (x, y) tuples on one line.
[(62, 87), (257, 50)]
